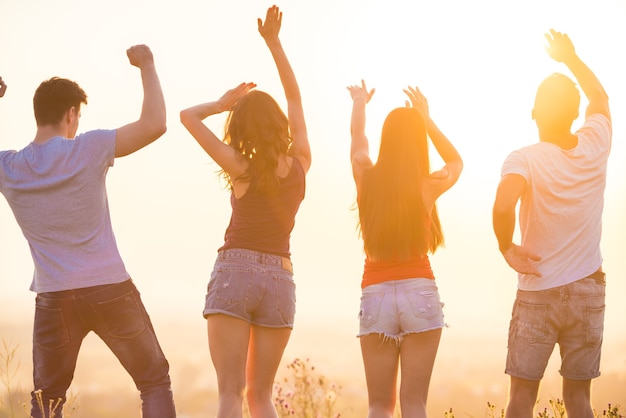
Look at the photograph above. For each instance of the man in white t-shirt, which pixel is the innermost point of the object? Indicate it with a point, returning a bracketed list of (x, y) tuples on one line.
[(56, 189), (561, 287)]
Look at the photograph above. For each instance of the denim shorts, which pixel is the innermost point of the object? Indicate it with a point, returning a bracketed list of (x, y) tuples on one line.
[(571, 316), (395, 308), (253, 286)]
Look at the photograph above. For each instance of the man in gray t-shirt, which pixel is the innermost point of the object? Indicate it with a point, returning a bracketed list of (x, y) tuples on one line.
[(56, 188)]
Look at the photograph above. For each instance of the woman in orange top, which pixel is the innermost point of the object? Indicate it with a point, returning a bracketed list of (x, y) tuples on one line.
[(401, 316)]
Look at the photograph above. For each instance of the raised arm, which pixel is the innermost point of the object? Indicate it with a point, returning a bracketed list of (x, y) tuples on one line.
[(151, 123), (561, 49), (3, 87), (449, 174), (269, 31), (359, 147), (223, 154)]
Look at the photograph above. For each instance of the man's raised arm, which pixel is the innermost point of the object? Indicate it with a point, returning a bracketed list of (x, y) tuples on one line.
[(152, 122)]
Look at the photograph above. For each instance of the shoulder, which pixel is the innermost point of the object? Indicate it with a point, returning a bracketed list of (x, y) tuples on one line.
[(596, 127), (98, 135), (96, 144)]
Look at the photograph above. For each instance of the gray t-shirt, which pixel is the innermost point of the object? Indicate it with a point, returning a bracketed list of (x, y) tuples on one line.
[(57, 193)]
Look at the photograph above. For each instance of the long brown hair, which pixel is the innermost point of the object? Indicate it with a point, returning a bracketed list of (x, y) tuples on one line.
[(259, 130), (392, 217)]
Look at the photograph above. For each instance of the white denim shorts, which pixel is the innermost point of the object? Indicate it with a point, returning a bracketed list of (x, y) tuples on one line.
[(399, 307)]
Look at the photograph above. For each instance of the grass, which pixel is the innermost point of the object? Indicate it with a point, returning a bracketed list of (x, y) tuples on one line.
[(303, 393), (15, 398)]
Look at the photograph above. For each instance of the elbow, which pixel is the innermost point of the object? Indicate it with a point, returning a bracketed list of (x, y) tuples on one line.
[(185, 117), (502, 211), (161, 128)]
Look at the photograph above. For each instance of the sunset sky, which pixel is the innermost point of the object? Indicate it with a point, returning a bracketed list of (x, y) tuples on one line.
[(478, 63)]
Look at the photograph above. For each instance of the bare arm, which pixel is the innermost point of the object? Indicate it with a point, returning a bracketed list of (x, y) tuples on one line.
[(449, 174), (3, 87), (359, 147), (224, 155), (269, 31), (151, 123), (509, 191), (561, 49)]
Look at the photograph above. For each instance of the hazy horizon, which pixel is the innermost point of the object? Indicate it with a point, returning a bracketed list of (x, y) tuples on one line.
[(479, 64)]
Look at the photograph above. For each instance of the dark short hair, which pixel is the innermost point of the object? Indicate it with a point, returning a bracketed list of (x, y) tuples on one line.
[(54, 97)]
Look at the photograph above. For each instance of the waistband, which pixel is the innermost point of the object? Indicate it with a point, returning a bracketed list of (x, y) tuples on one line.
[(259, 257), (88, 291)]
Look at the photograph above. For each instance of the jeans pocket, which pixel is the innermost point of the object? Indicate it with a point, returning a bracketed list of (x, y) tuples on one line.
[(231, 285), (370, 308), (285, 295), (50, 330), (594, 324), (425, 303), (122, 317), (530, 322)]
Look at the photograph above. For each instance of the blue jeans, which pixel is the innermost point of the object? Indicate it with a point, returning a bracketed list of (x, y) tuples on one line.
[(114, 312)]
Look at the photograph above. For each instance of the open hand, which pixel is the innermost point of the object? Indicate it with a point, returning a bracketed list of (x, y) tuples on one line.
[(360, 92), (270, 28), (522, 260), (232, 96), (560, 47), (417, 101), (140, 56)]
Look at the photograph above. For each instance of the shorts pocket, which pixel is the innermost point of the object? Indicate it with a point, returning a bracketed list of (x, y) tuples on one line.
[(121, 317), (370, 308), (50, 330), (594, 325), (230, 285), (285, 296), (530, 322), (425, 302)]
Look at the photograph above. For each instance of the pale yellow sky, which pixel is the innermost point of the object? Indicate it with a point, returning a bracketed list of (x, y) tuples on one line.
[(479, 64)]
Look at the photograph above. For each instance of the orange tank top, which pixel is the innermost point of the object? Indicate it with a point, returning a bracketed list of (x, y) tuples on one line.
[(380, 272)]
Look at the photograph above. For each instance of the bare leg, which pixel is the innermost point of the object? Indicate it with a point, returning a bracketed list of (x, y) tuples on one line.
[(266, 350), (228, 344), (380, 359), (577, 398), (417, 357), (522, 398)]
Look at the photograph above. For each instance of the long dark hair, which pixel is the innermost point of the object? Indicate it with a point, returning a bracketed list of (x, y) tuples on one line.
[(259, 130), (392, 217)]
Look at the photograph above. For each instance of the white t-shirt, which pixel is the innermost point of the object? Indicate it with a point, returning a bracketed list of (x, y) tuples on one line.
[(57, 193), (560, 213)]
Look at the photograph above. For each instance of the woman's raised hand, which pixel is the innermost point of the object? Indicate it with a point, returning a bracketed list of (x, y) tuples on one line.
[(417, 100), (232, 96), (360, 92), (270, 28)]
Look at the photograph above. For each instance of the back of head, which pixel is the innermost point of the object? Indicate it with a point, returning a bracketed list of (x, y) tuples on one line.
[(394, 223), (54, 97), (259, 130), (403, 144), (556, 102)]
